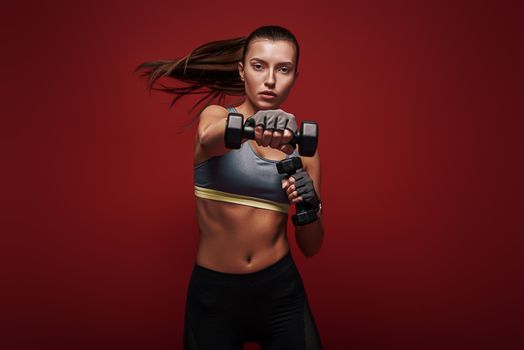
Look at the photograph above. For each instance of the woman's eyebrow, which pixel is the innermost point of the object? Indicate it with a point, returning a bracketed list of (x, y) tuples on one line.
[(259, 59)]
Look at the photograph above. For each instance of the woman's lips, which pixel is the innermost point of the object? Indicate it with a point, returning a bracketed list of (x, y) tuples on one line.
[(268, 95)]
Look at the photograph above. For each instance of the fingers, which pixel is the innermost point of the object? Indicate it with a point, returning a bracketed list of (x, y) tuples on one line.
[(274, 128), (259, 130), (289, 186), (296, 200), (276, 139), (292, 194), (287, 136), (294, 197), (266, 138), (287, 149), (273, 139), (263, 137)]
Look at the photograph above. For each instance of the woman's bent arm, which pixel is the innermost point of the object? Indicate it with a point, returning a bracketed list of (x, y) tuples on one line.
[(310, 237)]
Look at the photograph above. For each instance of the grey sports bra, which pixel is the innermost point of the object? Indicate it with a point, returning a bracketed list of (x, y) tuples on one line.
[(243, 177)]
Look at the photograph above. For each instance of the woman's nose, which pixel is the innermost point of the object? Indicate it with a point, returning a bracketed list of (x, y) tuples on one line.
[(270, 80)]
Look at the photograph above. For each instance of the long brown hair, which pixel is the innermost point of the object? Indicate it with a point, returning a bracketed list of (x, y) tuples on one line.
[(212, 68)]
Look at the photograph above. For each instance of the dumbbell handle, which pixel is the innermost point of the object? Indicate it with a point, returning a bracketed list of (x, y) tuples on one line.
[(236, 130), (249, 133)]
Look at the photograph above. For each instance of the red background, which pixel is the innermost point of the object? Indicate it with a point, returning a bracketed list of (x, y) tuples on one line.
[(422, 169)]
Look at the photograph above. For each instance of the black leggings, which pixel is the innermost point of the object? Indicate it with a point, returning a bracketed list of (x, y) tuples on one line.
[(269, 307)]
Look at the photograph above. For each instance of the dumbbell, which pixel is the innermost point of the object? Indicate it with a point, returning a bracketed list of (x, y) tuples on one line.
[(305, 212), (306, 138)]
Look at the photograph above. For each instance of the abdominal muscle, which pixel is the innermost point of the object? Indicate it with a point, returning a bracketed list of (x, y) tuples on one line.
[(236, 238)]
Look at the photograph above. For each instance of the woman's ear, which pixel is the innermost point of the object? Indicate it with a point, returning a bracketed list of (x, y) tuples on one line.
[(241, 70)]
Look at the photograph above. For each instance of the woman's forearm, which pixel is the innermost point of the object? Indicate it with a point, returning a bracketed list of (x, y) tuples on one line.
[(309, 237)]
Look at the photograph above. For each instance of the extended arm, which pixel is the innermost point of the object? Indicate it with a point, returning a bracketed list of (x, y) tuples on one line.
[(211, 128)]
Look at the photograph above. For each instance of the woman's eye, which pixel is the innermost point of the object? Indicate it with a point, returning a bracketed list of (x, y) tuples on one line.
[(285, 69), (257, 66)]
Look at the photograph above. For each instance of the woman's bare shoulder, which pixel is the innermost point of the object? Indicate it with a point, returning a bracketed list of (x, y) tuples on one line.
[(210, 115), (213, 110)]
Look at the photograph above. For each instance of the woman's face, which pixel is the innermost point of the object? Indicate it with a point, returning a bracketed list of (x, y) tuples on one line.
[(268, 66)]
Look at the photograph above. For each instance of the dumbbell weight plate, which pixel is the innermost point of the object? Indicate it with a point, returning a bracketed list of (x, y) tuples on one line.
[(308, 138), (234, 129)]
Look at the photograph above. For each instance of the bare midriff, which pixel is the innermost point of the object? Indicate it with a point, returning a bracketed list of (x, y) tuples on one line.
[(236, 238)]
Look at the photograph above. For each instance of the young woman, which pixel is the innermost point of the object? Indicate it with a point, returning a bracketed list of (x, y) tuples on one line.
[(245, 286)]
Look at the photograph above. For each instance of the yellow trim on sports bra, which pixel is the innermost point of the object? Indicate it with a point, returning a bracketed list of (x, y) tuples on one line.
[(208, 193)]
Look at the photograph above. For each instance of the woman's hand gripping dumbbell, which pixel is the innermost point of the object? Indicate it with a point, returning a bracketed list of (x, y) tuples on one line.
[(274, 128), (300, 190)]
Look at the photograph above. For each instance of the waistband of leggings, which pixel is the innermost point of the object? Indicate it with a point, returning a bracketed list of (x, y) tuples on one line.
[(267, 273)]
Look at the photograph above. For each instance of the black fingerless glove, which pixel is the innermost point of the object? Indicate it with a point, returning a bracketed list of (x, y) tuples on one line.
[(273, 119), (304, 187)]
